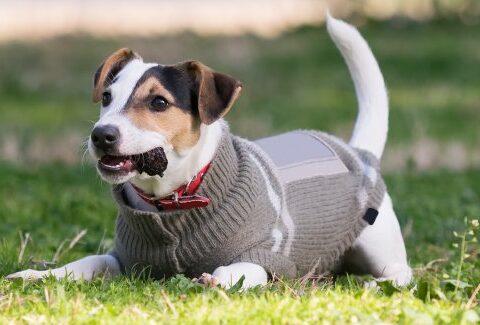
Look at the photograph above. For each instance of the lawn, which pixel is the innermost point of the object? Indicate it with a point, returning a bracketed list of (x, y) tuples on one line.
[(55, 209), (54, 204)]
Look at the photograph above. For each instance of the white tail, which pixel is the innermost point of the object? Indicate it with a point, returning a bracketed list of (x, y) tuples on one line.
[(371, 127)]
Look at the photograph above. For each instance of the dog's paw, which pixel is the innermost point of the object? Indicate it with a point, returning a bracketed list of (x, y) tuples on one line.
[(27, 275), (372, 285), (207, 280), (401, 275)]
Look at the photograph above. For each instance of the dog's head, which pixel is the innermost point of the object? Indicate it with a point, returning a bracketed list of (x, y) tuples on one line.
[(149, 110)]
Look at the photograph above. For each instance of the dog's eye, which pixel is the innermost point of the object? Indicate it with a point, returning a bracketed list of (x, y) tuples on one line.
[(106, 98), (159, 103)]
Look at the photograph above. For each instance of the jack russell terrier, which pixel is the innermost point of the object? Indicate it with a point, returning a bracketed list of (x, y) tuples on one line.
[(194, 199)]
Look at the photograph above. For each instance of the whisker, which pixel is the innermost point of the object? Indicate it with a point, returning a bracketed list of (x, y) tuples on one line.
[(84, 158)]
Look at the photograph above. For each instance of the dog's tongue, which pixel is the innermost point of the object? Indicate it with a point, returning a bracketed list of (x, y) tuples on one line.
[(117, 163)]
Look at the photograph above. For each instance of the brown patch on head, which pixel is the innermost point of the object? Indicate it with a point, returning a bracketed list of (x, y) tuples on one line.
[(180, 127), (109, 69)]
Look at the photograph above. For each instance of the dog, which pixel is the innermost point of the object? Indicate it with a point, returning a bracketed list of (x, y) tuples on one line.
[(194, 199)]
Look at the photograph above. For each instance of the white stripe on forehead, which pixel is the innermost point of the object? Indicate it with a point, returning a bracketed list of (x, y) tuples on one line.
[(125, 83)]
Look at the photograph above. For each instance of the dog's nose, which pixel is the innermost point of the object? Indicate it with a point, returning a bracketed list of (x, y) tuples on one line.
[(105, 137)]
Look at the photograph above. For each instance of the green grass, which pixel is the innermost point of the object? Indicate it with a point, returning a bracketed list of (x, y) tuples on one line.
[(54, 203)]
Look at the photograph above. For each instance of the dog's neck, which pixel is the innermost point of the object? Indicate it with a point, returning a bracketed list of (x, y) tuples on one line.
[(183, 165)]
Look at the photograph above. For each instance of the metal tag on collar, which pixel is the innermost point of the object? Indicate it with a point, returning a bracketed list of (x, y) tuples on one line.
[(187, 187), (175, 199)]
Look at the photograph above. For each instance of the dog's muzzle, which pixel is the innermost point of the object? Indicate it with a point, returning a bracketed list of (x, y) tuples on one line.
[(106, 139)]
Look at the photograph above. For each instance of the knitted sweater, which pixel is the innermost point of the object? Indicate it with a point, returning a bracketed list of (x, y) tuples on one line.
[(292, 204)]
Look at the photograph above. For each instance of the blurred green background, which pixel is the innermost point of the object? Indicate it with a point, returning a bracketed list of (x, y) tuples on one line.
[(294, 79)]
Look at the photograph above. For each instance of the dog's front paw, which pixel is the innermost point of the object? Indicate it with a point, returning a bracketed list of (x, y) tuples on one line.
[(27, 275), (207, 280)]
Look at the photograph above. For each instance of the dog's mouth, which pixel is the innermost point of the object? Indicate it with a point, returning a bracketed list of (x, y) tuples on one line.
[(116, 163), (153, 162)]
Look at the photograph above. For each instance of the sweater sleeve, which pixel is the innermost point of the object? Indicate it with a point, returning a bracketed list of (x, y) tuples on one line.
[(273, 263)]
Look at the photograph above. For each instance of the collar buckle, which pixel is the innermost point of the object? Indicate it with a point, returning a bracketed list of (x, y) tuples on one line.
[(182, 198)]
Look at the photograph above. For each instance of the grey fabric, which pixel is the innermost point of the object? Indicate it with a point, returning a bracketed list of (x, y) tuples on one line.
[(294, 147), (289, 228), (300, 155)]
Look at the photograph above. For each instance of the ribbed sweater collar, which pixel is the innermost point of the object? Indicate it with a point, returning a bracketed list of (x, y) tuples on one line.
[(231, 183)]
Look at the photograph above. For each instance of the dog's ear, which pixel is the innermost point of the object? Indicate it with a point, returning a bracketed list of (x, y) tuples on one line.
[(109, 69), (216, 92)]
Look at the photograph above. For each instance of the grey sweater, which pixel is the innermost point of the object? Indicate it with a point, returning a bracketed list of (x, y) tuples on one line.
[(293, 204)]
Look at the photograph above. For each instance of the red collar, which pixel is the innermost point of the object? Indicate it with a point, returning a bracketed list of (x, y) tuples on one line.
[(183, 197)]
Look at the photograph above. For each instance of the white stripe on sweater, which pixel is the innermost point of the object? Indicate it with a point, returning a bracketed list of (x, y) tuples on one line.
[(371, 174), (280, 207), (288, 222), (274, 199), (277, 236)]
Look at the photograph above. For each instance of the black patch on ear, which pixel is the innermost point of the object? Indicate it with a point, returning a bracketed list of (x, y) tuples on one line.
[(370, 216), (216, 92), (224, 88), (112, 74)]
